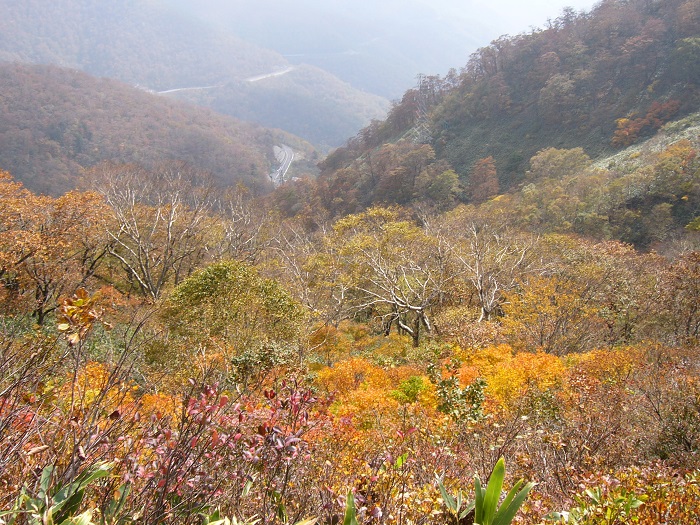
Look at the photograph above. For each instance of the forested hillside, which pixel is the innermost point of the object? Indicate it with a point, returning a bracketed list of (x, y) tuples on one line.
[(371, 347), (144, 43), (214, 359), (305, 101), (154, 46), (54, 123), (647, 195), (599, 81)]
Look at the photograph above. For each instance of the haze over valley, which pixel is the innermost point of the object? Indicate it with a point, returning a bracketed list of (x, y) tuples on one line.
[(323, 262)]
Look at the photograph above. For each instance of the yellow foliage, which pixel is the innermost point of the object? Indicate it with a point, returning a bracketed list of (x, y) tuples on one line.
[(391, 346), (330, 343), (607, 366), (549, 314), (512, 379), (93, 385), (486, 360)]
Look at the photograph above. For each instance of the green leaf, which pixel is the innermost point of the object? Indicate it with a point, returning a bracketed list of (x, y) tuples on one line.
[(44, 482), (467, 510), (223, 521), (478, 501), (493, 492), (115, 506), (82, 519), (505, 515), (509, 497), (69, 497), (66, 508), (350, 513), (449, 500), (246, 488), (400, 460)]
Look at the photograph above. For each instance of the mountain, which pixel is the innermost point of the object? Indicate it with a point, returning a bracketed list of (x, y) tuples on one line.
[(55, 122), (379, 47), (598, 81), (153, 44), (304, 100)]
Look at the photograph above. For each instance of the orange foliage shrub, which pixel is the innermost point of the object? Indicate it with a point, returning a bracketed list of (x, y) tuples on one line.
[(629, 129), (160, 405), (330, 343), (94, 384), (349, 375), (606, 366)]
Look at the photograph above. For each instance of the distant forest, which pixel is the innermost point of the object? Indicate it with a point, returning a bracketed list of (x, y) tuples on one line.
[(599, 81), (54, 123)]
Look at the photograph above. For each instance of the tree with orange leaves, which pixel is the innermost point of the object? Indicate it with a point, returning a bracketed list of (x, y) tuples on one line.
[(50, 246)]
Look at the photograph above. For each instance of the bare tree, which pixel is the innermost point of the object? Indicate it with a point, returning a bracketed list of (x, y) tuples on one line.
[(245, 229), (492, 257), (161, 220), (399, 272)]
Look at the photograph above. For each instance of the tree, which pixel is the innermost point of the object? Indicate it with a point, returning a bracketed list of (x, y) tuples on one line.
[(681, 299), (398, 272), (440, 188), (553, 163), (550, 314), (557, 99), (489, 255), (243, 229), (230, 302), (307, 263), (483, 180), (399, 166), (49, 246), (160, 222), (229, 315)]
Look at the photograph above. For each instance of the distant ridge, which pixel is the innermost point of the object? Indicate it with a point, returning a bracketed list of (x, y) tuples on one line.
[(56, 122), (156, 46)]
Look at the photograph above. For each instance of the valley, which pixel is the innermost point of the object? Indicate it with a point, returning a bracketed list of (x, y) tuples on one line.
[(259, 293)]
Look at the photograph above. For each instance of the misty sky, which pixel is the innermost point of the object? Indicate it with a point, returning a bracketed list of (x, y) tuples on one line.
[(378, 45), (514, 16)]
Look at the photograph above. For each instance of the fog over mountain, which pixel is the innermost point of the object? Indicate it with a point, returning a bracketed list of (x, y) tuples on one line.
[(376, 46), (154, 45), (322, 69)]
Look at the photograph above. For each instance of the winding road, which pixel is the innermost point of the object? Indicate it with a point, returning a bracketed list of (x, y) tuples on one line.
[(285, 156), (273, 74)]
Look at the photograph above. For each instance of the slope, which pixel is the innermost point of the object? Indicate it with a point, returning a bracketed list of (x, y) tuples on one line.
[(151, 44), (54, 122), (599, 81)]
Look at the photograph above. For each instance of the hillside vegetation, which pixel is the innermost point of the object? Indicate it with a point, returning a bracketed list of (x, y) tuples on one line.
[(598, 81), (214, 359), (306, 101), (365, 348), (54, 123), (156, 46)]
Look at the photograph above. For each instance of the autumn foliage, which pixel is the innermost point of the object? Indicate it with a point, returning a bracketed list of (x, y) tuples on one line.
[(386, 354), (177, 352)]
